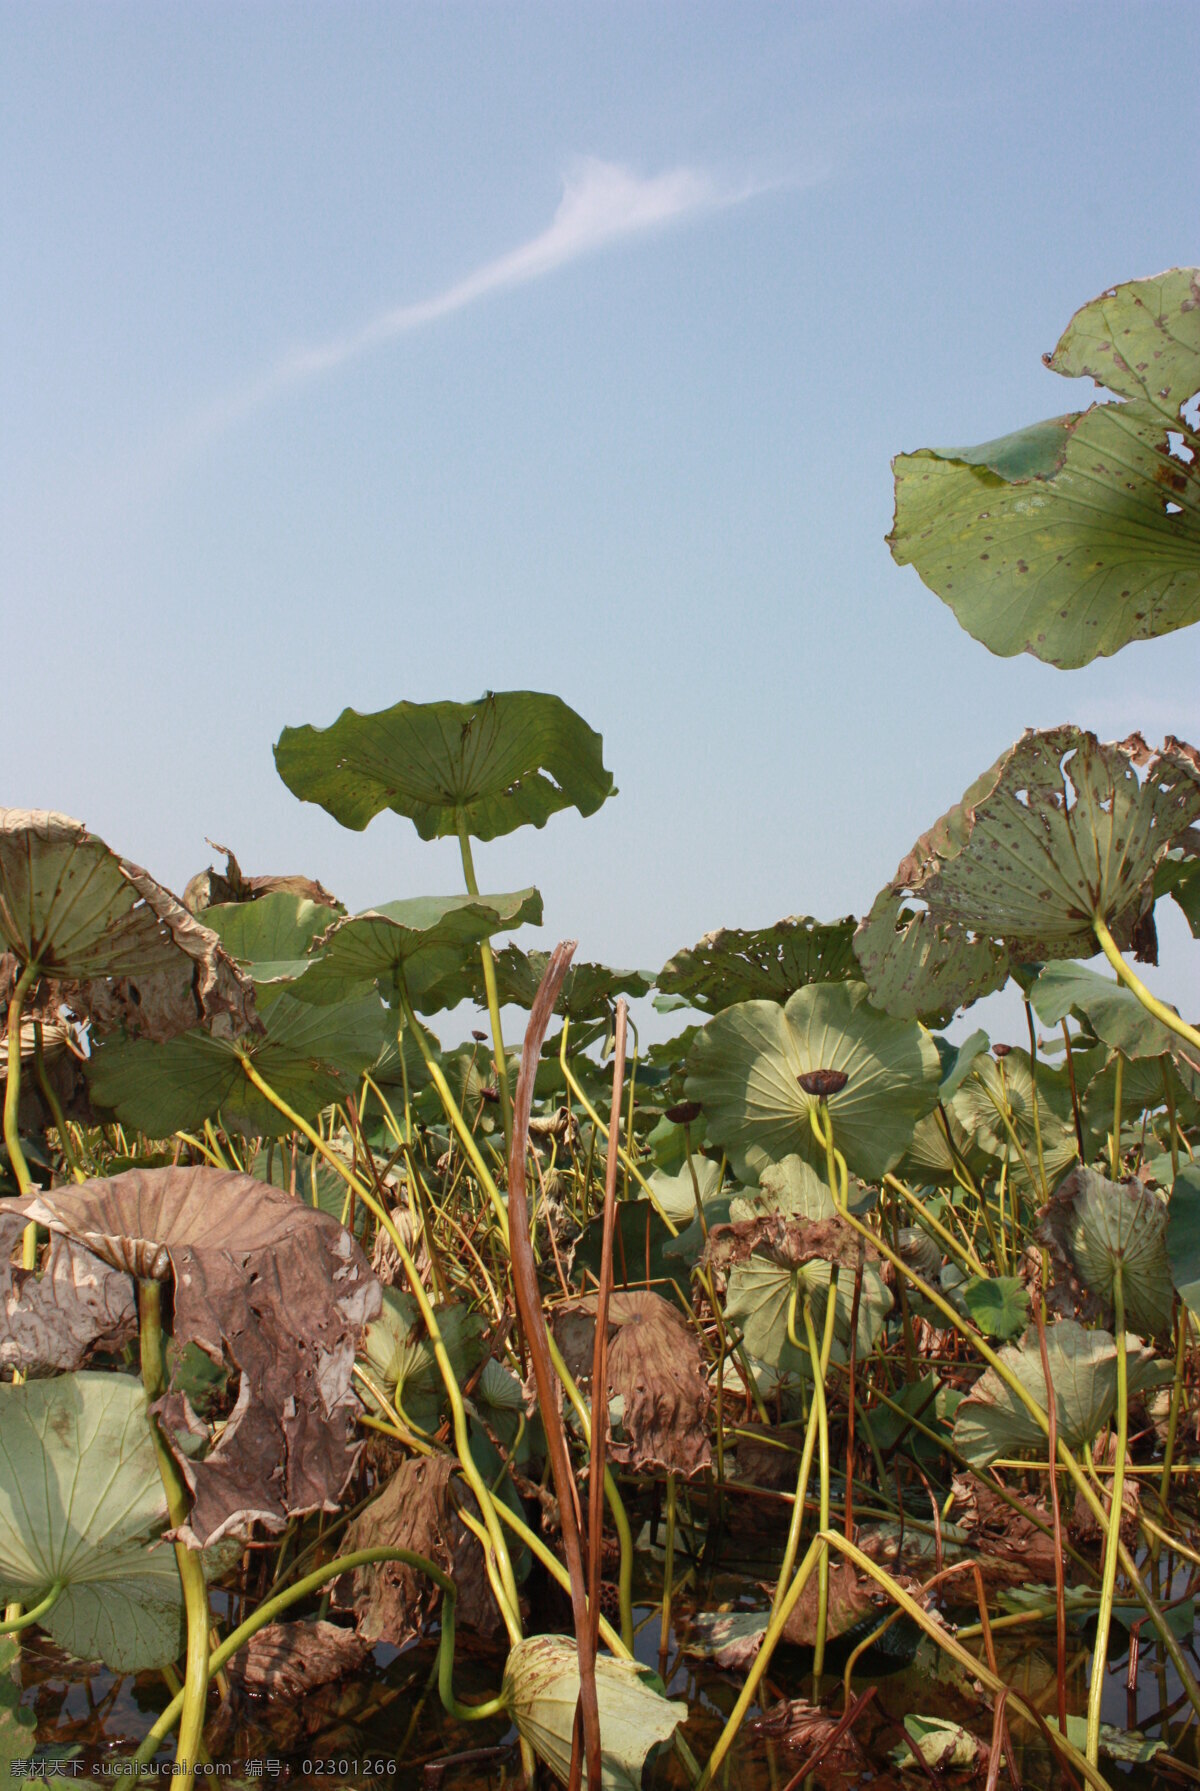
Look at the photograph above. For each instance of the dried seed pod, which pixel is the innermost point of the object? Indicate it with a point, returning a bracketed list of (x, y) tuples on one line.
[(683, 1113), (823, 1083)]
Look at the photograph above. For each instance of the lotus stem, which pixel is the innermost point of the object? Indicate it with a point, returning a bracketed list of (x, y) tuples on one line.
[(1108, 1581), (600, 1127), (966, 1258), (796, 1524), (13, 1625), (488, 964), (510, 1609), (1037, 1118), (66, 1142), (664, 1634), (193, 1698), (1114, 1143), (822, 1415), (1169, 1018), (1164, 1487), (12, 1092), (616, 1505)]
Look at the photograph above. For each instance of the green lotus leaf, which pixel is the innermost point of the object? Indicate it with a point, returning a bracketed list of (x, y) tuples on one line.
[(515, 756), (676, 1194), (959, 1060), (400, 1359), (996, 1087), (1092, 1225), (744, 1067), (541, 1685), (763, 964), (930, 1159), (1083, 1374), (81, 1502), (918, 968), (589, 991), (640, 1246), (1072, 537), (271, 938), (1111, 1011), (310, 1055), (1060, 832), (943, 1745), (1183, 1236), (1129, 1746), (998, 1304), (471, 1075), (759, 1296), (1178, 875), (792, 1187), (71, 906), (422, 942)]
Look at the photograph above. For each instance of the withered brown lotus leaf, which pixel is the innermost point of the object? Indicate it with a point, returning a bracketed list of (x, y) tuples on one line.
[(654, 1366), (275, 1290), (1012, 1548), (119, 947), (286, 1660), (418, 1509), (802, 1727), (791, 1242), (56, 1318), (211, 888)]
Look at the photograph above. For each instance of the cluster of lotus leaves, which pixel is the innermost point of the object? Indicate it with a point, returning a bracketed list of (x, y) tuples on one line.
[(116, 944), (745, 1064), (514, 757), (1072, 537), (541, 1685), (1062, 830), (267, 1287)]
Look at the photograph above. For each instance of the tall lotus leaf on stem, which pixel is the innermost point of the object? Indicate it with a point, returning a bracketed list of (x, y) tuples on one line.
[(736, 964), (745, 1066), (1108, 1009), (119, 945), (457, 770), (1050, 853), (1072, 537), (1093, 1227)]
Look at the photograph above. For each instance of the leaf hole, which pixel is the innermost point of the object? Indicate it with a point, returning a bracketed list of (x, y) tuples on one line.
[(1172, 509), (1178, 449)]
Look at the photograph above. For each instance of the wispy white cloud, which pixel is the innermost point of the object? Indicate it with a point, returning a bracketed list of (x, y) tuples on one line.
[(602, 203)]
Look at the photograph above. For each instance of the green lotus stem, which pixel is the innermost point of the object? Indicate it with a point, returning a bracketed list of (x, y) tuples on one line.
[(489, 983), (1079, 1479), (664, 1634), (1108, 1579), (12, 1089), (313, 1582), (967, 1258), (1114, 1143), (1170, 1019), (66, 1142), (1172, 1116), (11, 1626), (1164, 1487), (600, 1127), (821, 1411), (510, 1609), (558, 1573), (197, 1668), (455, 1115), (792, 1545), (616, 1504)]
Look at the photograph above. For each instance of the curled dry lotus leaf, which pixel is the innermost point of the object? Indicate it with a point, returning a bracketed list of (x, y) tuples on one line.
[(943, 1745), (287, 1660), (55, 1319), (1108, 1009), (263, 1284), (211, 888), (513, 757), (418, 1510), (745, 1063), (732, 1639), (81, 1502), (654, 1368), (541, 1685), (764, 963), (1083, 1374), (421, 943), (1064, 833), (1093, 1225), (309, 1054), (120, 947), (1071, 537), (399, 1357)]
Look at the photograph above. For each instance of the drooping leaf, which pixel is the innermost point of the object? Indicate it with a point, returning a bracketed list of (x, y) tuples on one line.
[(1072, 537), (310, 1054), (1083, 1373), (745, 1064), (1093, 1226), (1183, 1235), (676, 1194), (399, 1355), (211, 888), (1104, 1005), (959, 1060), (423, 942), (541, 1683), (263, 1284), (271, 938), (512, 758), (81, 1502), (764, 963), (58, 1317), (126, 950), (289, 1660), (773, 1264)]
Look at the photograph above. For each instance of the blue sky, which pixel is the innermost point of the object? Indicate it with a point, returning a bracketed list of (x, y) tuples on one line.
[(356, 352)]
